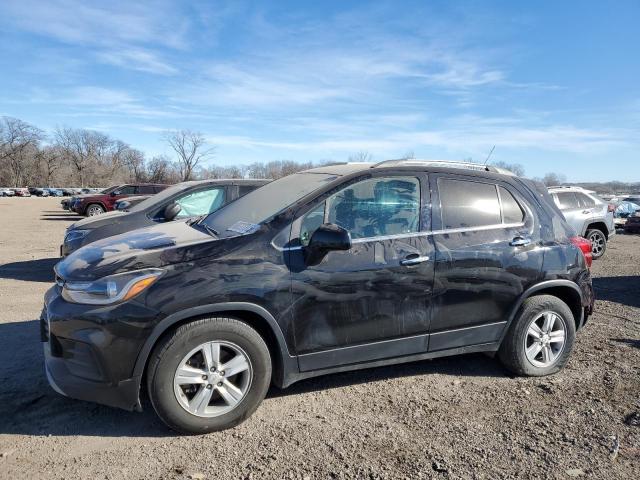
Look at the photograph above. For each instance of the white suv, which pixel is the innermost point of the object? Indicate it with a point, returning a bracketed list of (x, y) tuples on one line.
[(588, 214)]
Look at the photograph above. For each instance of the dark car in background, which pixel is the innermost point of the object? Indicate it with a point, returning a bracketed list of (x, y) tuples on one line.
[(337, 268), (99, 203), (38, 192), (181, 201)]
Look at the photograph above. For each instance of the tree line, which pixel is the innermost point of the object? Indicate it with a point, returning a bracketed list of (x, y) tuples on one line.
[(73, 157)]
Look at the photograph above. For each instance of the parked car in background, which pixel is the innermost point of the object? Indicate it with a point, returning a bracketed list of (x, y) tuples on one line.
[(99, 203), (69, 192), (589, 215), (39, 192), (632, 199), (181, 201), (54, 192), (7, 192), (623, 211), (21, 192), (128, 202), (337, 268)]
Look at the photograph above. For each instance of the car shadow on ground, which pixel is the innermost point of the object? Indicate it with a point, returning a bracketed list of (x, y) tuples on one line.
[(627, 341), (28, 406), (624, 290), (40, 270)]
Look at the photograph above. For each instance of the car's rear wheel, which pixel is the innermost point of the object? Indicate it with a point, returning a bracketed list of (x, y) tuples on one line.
[(540, 338), (209, 375), (94, 209), (598, 242)]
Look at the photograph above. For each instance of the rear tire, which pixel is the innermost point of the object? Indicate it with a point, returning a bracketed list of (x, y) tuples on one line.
[(94, 209), (598, 242), (529, 347), (188, 385)]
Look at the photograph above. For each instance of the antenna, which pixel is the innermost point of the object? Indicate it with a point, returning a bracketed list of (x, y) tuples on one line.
[(489, 156)]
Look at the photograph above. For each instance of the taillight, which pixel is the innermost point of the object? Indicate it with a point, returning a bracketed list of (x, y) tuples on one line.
[(585, 247), (611, 208)]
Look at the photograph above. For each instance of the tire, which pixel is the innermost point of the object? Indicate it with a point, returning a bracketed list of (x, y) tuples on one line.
[(598, 242), (177, 405), (94, 209), (513, 350)]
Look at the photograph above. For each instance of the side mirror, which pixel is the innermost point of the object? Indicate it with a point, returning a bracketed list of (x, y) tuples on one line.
[(114, 193), (123, 205), (171, 211), (326, 238)]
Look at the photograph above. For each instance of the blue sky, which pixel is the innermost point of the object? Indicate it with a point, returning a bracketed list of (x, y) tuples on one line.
[(554, 85)]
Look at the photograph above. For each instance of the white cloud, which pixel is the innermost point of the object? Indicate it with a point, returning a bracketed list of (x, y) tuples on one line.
[(137, 59)]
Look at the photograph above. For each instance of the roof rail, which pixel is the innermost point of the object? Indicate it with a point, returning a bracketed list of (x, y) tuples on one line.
[(443, 163)]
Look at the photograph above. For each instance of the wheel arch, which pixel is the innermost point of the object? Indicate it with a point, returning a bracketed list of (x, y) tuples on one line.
[(566, 290), (599, 225), (96, 202), (284, 365)]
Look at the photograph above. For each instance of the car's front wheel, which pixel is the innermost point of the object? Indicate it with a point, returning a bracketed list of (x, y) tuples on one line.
[(540, 338), (209, 375), (94, 209), (598, 242)]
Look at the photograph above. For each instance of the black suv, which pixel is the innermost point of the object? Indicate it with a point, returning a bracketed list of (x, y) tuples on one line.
[(181, 201), (337, 268)]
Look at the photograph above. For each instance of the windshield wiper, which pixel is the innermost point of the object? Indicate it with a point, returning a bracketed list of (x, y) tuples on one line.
[(197, 220), (210, 230)]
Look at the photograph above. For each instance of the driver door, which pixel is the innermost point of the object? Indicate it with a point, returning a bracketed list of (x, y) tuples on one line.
[(372, 301)]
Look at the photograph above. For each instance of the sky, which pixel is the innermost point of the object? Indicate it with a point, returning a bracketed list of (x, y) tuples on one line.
[(555, 86)]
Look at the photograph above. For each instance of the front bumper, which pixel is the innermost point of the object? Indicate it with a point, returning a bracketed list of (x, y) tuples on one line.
[(90, 352)]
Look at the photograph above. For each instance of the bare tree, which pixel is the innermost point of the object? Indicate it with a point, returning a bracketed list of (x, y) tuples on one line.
[(361, 156), (50, 160), (161, 170), (191, 148), (516, 168), (82, 147), (133, 160), (551, 179), (18, 139)]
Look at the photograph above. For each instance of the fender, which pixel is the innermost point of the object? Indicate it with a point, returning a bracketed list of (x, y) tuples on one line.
[(536, 288), (288, 362)]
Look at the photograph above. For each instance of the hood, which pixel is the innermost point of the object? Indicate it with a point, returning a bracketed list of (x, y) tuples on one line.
[(99, 220), (155, 246)]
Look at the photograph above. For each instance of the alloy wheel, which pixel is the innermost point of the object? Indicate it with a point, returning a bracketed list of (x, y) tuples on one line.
[(545, 339), (212, 379), (597, 243), (94, 210)]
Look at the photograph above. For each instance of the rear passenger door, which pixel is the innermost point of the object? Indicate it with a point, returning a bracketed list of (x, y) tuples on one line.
[(487, 253)]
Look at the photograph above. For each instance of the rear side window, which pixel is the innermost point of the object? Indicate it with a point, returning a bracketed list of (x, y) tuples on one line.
[(146, 190), (585, 200), (511, 209), (467, 204), (567, 200), (127, 190)]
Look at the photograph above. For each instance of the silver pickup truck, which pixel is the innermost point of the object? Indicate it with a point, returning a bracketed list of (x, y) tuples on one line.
[(588, 214)]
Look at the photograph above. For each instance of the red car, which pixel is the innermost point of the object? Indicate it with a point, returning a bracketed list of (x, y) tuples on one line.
[(22, 192), (98, 203)]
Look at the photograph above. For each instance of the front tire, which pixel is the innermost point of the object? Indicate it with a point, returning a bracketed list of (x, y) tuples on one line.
[(208, 375), (540, 338), (598, 242), (94, 209)]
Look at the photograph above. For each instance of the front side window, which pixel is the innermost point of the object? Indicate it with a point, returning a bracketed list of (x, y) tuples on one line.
[(202, 202), (466, 204), (311, 221), (377, 207)]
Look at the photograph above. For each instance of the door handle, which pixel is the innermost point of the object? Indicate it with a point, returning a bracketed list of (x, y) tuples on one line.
[(520, 241), (413, 260)]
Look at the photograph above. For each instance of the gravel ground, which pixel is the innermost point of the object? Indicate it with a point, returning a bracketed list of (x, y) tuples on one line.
[(462, 417)]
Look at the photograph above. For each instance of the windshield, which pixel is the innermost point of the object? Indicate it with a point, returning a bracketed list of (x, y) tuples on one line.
[(160, 197), (265, 202)]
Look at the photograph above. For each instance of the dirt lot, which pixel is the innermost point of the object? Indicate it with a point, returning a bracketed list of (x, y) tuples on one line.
[(463, 417)]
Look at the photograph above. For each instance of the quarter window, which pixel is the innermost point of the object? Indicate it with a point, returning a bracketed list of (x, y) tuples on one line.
[(585, 200), (511, 209), (467, 204), (567, 200)]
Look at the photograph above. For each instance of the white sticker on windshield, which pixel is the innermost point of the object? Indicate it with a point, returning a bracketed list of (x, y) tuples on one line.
[(243, 228)]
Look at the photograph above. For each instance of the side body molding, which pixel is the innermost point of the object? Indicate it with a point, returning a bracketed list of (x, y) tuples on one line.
[(288, 363)]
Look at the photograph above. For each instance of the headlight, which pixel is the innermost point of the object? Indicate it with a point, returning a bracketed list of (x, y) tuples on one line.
[(112, 289), (75, 235)]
